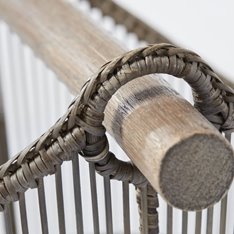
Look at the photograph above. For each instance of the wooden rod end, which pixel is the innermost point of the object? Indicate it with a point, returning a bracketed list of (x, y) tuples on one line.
[(184, 157), (191, 180)]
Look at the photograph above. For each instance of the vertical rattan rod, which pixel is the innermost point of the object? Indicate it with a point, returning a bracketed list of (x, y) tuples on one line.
[(198, 222), (9, 214), (9, 218), (169, 219), (23, 68), (223, 211), (42, 206), (144, 210), (93, 187), (77, 195), (126, 208), (60, 203), (23, 214), (184, 222), (147, 200), (108, 206), (223, 216), (209, 221)]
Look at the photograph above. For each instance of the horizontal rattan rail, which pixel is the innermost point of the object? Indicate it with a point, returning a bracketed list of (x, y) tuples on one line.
[(157, 128)]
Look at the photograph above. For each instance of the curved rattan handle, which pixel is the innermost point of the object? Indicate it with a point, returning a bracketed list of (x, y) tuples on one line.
[(81, 129), (212, 98)]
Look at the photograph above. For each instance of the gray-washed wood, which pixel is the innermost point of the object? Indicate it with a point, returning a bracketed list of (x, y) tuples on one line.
[(157, 128)]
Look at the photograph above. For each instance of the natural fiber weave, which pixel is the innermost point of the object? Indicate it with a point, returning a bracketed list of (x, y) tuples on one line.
[(80, 130), (151, 213)]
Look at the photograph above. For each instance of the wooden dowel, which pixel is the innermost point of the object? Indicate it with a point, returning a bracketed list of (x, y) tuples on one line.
[(182, 155)]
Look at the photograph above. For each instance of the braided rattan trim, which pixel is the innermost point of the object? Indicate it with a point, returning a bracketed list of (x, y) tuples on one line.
[(80, 130), (151, 212)]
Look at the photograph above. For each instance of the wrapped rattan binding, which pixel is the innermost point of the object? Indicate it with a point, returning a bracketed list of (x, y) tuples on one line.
[(80, 130)]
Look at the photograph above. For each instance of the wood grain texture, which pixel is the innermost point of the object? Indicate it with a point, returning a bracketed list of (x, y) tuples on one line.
[(183, 156)]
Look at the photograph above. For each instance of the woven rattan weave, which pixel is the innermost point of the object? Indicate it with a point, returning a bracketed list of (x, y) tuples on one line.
[(80, 130)]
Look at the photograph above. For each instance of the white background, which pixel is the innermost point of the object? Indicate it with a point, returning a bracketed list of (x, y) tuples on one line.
[(207, 27)]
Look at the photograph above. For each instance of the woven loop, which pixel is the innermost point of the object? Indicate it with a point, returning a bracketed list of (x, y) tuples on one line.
[(80, 130), (120, 170), (212, 98)]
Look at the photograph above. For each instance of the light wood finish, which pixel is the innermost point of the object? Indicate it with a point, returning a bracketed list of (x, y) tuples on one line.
[(183, 156)]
